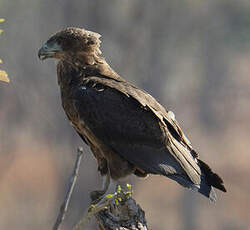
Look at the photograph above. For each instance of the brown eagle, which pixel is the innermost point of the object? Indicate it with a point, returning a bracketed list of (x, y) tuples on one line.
[(127, 130)]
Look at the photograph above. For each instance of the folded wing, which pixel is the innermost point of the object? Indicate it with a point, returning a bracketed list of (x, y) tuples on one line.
[(131, 123)]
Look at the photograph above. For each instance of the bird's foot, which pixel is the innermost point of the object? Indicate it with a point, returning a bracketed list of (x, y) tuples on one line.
[(109, 188), (118, 195), (95, 195)]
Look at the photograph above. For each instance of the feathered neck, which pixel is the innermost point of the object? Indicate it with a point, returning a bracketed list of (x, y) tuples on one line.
[(75, 70)]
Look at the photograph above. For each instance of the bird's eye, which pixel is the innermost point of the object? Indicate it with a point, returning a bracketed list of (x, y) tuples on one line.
[(59, 41)]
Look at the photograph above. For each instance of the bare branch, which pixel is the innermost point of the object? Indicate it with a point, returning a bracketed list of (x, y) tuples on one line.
[(65, 204)]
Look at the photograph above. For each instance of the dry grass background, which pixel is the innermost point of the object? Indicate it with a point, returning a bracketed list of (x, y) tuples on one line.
[(193, 56)]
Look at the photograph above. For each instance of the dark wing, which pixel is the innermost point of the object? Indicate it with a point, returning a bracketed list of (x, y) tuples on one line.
[(131, 123)]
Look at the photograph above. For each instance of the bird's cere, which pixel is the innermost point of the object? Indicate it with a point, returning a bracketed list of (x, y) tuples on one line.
[(48, 50)]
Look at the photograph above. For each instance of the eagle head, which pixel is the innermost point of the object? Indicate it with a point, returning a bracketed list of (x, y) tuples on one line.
[(70, 42)]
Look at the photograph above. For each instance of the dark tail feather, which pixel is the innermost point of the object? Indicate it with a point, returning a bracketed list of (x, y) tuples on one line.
[(206, 189), (211, 178), (208, 180), (203, 187)]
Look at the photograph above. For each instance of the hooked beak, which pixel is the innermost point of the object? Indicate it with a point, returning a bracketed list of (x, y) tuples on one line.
[(49, 51)]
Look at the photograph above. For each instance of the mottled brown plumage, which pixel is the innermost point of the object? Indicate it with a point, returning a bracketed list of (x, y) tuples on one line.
[(127, 130)]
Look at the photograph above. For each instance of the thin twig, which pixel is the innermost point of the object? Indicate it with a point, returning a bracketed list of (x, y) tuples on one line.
[(65, 204)]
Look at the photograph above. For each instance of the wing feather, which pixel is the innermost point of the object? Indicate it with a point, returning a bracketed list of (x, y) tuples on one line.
[(133, 124)]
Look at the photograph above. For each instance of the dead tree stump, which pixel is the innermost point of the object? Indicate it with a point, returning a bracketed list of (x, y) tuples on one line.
[(127, 215)]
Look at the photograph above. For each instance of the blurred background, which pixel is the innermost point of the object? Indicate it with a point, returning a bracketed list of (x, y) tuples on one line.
[(191, 55)]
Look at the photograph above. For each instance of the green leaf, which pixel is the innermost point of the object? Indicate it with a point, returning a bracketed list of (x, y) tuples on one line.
[(129, 186), (119, 189), (109, 196), (91, 208)]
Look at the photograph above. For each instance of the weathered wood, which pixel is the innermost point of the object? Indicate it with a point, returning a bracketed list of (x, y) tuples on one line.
[(126, 216), (117, 211)]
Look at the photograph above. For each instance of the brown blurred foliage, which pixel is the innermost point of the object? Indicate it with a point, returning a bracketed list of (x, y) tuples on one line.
[(193, 56)]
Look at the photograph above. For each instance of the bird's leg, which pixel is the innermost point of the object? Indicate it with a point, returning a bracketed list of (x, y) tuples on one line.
[(106, 183), (109, 188)]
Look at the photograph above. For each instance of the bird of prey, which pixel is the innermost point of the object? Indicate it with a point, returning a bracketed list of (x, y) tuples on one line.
[(127, 130)]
